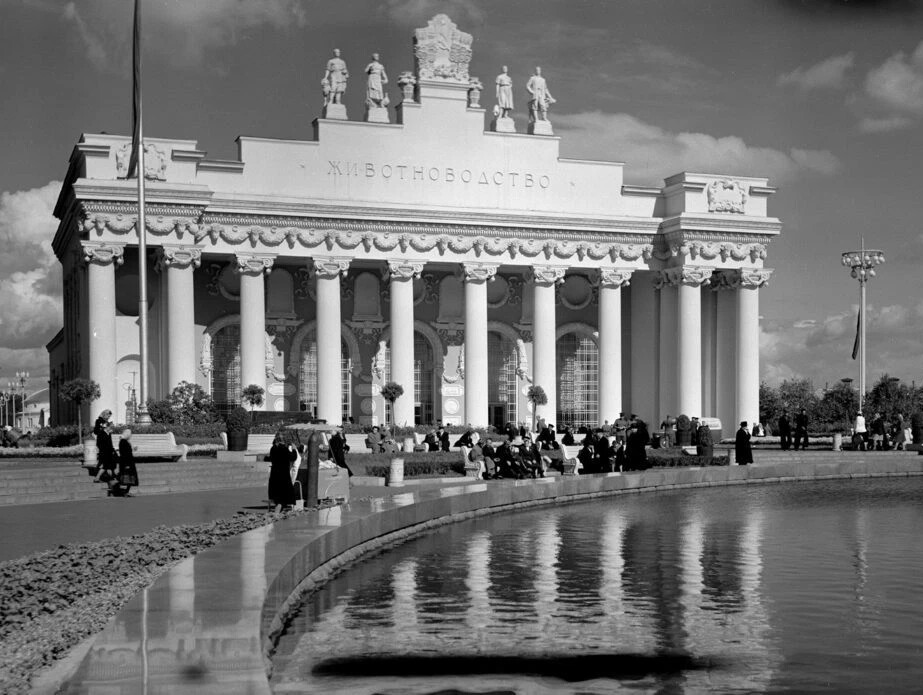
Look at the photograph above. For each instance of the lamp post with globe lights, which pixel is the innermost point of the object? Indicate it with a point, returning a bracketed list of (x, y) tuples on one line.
[(862, 266)]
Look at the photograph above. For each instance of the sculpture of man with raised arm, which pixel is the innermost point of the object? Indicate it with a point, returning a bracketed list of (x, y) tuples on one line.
[(334, 82), (541, 97), (504, 93)]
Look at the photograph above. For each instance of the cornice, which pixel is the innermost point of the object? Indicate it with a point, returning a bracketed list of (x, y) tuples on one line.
[(720, 224), (125, 191)]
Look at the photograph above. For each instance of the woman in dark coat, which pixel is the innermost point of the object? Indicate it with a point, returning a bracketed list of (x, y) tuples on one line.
[(128, 474), (635, 450), (281, 489), (106, 455), (742, 449)]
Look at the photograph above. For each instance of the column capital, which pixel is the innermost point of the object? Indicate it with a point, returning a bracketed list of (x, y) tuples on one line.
[(404, 270), (328, 267), (690, 275), (546, 274), (479, 272), (751, 278), (254, 263), (179, 257), (102, 253), (613, 277)]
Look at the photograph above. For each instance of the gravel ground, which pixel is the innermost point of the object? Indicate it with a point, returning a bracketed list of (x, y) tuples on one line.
[(51, 601)]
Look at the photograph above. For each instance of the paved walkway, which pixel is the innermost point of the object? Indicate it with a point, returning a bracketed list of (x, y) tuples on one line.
[(32, 528)]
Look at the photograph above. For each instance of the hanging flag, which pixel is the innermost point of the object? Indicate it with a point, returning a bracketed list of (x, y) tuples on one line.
[(855, 345), (136, 91)]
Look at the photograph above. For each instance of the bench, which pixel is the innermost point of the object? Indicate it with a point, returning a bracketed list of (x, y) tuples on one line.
[(150, 446), (571, 464)]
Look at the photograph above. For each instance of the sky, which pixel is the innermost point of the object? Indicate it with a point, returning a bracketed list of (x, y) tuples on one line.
[(825, 97)]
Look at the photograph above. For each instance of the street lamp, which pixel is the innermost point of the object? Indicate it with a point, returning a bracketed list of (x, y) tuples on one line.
[(3, 407), (12, 391), (862, 264)]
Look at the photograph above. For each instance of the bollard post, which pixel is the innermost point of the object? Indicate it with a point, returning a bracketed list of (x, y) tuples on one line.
[(310, 493)]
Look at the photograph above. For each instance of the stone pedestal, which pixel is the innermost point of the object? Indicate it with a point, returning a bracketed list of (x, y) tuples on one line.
[(377, 114), (503, 125), (335, 112), (540, 128)]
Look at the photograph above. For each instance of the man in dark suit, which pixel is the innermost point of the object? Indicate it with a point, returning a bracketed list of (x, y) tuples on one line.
[(338, 449), (742, 449), (785, 431), (801, 429)]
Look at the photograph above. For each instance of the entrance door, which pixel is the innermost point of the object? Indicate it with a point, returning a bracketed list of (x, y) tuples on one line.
[(497, 413)]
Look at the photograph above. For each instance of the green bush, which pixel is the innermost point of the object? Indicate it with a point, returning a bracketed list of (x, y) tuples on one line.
[(238, 420), (675, 457), (415, 464)]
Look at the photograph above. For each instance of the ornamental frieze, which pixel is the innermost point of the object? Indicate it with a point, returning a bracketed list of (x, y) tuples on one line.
[(710, 250), (441, 51), (726, 196)]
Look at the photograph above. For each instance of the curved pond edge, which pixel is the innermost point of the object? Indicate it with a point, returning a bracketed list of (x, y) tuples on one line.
[(210, 623)]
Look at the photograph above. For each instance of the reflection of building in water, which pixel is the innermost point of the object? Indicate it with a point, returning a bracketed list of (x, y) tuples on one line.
[(163, 643), (477, 582), (461, 263), (547, 584)]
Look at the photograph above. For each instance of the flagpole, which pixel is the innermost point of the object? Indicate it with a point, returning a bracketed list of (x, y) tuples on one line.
[(142, 416)]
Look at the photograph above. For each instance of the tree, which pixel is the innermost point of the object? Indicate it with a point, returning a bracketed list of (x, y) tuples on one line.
[(770, 404), (80, 391), (796, 394), (187, 404), (889, 397), (391, 392), (838, 406), (536, 397), (253, 396)]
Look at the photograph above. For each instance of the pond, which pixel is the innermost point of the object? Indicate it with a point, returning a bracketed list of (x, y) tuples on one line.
[(796, 587)]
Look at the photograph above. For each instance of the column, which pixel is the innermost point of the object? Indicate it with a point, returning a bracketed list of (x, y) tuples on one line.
[(401, 274), (177, 264), (252, 269), (668, 350), (476, 361), (689, 327), (709, 409), (101, 259), (645, 367), (611, 281), (327, 273), (544, 326), (726, 351), (748, 282)]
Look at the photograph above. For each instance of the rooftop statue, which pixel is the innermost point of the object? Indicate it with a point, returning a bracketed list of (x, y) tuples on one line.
[(334, 84), (504, 93), (442, 52), (376, 98), (541, 97)]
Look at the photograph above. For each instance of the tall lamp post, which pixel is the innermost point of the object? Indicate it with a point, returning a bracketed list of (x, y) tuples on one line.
[(862, 264), (3, 407), (21, 378)]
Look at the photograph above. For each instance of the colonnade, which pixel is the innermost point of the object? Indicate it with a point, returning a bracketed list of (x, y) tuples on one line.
[(676, 366)]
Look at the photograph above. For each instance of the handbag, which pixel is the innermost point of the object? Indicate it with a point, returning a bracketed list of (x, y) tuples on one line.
[(299, 502)]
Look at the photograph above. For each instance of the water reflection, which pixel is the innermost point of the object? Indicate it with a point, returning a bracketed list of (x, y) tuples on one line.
[(696, 576)]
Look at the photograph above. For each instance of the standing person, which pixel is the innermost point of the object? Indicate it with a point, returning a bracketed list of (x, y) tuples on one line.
[(878, 433), (860, 438), (339, 449), (785, 431), (128, 474), (801, 429), (742, 449), (621, 429), (668, 426), (704, 446), (107, 457), (898, 438), (281, 490), (635, 447)]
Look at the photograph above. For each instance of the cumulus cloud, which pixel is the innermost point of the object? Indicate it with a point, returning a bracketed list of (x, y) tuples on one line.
[(884, 125), (892, 98), (821, 350), (827, 74), (30, 283), (653, 153), (194, 28)]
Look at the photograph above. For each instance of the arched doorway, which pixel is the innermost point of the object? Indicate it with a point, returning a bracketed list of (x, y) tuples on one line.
[(578, 381), (425, 365), (225, 373)]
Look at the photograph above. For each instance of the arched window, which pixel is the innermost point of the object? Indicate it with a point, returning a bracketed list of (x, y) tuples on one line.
[(501, 379), (578, 381), (225, 386), (307, 378), (423, 383)]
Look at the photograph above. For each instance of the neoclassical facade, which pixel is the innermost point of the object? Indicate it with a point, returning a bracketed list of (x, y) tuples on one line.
[(426, 246)]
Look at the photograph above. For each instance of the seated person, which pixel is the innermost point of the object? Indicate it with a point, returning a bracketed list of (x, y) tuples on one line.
[(587, 455), (546, 439), (486, 467), (510, 463), (373, 441), (568, 438), (465, 439), (431, 441), (443, 436), (388, 444), (532, 458)]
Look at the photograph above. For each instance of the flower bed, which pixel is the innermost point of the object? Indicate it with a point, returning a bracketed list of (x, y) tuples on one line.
[(53, 600), (675, 456)]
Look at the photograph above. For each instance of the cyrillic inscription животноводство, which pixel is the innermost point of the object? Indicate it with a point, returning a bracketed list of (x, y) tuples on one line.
[(411, 173)]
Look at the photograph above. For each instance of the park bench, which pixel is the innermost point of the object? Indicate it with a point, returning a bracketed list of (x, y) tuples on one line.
[(163, 445)]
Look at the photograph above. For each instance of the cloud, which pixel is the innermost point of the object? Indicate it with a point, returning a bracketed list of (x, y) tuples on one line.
[(884, 125), (822, 349), (893, 95), (827, 74), (30, 282), (416, 11), (652, 153), (195, 27)]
